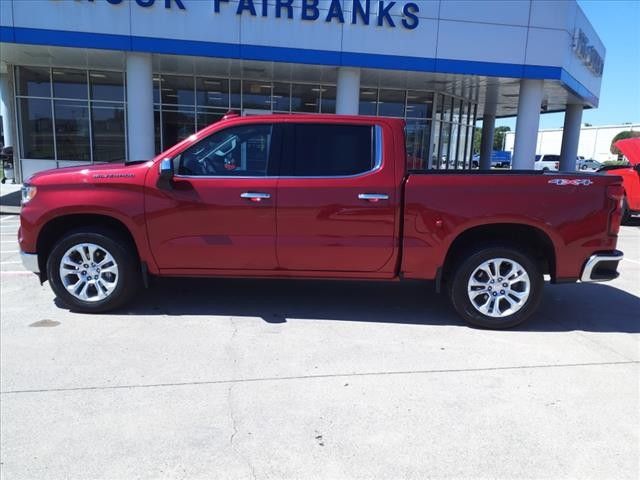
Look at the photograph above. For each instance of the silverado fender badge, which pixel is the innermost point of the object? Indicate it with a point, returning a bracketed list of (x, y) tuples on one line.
[(576, 181), (114, 175)]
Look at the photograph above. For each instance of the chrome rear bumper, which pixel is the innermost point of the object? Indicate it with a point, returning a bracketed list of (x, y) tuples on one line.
[(602, 267), (30, 261)]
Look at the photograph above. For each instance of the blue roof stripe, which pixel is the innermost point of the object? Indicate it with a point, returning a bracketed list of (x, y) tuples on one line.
[(64, 38)]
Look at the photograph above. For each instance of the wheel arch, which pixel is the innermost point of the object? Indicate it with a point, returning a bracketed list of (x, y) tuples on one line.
[(534, 240), (58, 226)]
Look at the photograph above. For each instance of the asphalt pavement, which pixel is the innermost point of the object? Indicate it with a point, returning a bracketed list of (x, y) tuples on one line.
[(237, 379)]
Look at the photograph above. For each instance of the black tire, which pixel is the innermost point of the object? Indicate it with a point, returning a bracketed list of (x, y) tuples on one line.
[(124, 254), (465, 268), (626, 213)]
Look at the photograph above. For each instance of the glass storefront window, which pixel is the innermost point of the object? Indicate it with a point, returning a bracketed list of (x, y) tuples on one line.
[(177, 90), (446, 107), (72, 130), (156, 89), (177, 124), (467, 158), (417, 144), (462, 147), (419, 104), (328, 99), (368, 101), (69, 83), (107, 86), (206, 117), (256, 95), (443, 151), (435, 142), (36, 128), (235, 95), (157, 130), (282, 97), (391, 103), (108, 130), (305, 98), (453, 146), (33, 81), (212, 92)]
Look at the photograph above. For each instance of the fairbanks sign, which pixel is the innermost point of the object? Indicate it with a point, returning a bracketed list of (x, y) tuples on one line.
[(388, 13)]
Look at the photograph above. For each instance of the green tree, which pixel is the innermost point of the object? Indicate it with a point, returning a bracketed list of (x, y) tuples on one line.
[(477, 136), (621, 136), (498, 137)]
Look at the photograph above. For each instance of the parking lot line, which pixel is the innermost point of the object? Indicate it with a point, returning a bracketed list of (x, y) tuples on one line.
[(632, 261)]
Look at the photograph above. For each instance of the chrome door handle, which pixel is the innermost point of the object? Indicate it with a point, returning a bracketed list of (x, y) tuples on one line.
[(373, 197), (255, 196)]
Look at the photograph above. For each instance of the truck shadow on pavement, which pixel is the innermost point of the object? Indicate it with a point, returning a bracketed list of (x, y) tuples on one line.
[(586, 307)]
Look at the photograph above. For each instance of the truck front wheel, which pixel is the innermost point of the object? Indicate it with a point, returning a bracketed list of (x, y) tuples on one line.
[(496, 287), (93, 270)]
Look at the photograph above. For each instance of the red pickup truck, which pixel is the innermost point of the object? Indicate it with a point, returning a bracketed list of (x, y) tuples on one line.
[(317, 196)]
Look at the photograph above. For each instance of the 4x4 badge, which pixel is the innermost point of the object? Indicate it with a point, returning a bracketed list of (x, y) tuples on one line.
[(577, 181)]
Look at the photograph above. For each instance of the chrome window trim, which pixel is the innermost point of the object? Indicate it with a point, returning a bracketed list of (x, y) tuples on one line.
[(377, 165)]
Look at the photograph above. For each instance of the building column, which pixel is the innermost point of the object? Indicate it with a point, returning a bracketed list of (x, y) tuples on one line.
[(8, 115), (527, 123), (570, 137), (348, 91), (140, 131)]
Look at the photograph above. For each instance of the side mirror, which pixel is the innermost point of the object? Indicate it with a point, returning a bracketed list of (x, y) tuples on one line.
[(165, 179)]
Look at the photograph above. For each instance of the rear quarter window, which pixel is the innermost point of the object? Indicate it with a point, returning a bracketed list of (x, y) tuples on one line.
[(326, 150)]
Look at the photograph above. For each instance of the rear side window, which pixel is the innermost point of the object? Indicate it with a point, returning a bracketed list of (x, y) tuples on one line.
[(325, 150)]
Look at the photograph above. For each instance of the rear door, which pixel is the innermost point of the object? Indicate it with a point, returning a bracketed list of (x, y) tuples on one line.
[(337, 199)]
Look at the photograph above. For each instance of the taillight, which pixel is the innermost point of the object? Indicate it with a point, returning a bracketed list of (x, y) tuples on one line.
[(615, 194)]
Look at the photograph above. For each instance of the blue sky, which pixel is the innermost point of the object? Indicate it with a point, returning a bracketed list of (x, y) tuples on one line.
[(618, 24)]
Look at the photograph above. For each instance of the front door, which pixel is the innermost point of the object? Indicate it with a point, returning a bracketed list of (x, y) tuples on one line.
[(220, 212), (337, 202)]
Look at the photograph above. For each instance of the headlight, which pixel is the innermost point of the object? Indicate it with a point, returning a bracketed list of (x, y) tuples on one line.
[(28, 192)]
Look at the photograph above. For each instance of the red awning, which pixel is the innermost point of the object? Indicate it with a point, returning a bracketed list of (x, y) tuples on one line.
[(630, 147)]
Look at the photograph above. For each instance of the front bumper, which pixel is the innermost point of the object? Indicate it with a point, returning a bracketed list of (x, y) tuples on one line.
[(602, 267), (30, 261)]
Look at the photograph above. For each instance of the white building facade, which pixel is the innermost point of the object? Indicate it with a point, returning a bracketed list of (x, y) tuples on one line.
[(87, 81), (595, 141)]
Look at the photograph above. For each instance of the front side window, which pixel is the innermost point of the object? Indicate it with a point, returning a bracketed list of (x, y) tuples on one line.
[(323, 150), (236, 151)]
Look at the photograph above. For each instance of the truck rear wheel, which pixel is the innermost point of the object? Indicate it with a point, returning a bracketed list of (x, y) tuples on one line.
[(496, 287), (93, 270)]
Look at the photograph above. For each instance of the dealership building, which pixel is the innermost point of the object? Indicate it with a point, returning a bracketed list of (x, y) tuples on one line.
[(89, 81)]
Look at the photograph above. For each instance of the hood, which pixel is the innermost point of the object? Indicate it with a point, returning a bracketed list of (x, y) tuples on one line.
[(97, 173), (630, 147)]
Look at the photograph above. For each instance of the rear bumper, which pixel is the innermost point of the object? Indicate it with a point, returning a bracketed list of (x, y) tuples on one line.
[(602, 267), (30, 261)]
